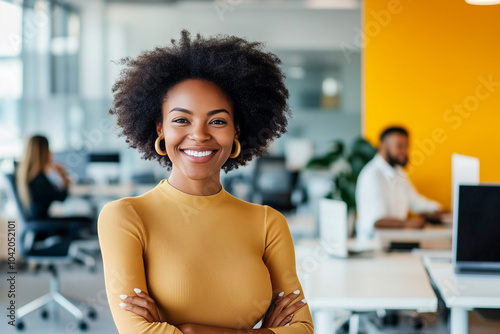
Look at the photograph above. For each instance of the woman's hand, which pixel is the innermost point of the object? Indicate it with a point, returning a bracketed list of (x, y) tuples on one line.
[(141, 304), (62, 172), (280, 313)]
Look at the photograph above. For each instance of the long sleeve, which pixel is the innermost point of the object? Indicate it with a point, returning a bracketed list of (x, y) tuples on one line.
[(43, 193), (419, 203), (42, 189), (279, 257), (122, 240)]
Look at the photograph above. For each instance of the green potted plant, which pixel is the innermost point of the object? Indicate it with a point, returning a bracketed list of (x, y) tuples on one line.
[(345, 168)]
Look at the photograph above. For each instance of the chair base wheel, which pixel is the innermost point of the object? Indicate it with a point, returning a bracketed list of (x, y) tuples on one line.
[(391, 319), (92, 314), (418, 323), (19, 325), (82, 325)]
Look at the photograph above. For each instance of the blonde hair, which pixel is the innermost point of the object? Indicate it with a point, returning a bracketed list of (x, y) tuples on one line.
[(36, 158)]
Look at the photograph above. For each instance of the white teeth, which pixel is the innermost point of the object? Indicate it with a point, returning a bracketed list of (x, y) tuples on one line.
[(197, 153)]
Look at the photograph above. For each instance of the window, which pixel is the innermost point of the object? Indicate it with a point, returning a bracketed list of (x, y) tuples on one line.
[(11, 78), (39, 50)]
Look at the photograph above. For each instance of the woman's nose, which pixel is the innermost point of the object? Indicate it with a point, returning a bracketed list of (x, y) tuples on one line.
[(200, 133)]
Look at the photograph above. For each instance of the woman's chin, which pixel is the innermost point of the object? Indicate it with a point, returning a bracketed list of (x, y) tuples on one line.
[(196, 174)]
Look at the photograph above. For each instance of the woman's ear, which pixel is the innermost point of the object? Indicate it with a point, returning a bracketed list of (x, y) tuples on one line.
[(159, 128), (237, 132)]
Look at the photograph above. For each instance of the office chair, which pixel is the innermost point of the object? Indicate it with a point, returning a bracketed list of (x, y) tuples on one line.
[(51, 242), (274, 185)]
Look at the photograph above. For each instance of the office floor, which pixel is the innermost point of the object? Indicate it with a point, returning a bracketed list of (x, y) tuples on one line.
[(76, 282), (88, 287)]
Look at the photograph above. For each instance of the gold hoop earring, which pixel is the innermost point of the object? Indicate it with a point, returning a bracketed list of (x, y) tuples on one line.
[(157, 146), (237, 150)]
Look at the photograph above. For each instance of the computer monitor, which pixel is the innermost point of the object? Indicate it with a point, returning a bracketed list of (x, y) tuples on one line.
[(273, 184), (464, 169), (104, 167), (476, 228), (75, 163)]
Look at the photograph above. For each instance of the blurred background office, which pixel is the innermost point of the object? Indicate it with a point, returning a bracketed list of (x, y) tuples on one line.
[(353, 67), (60, 59)]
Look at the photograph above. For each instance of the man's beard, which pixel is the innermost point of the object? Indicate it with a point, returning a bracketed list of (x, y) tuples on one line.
[(393, 161)]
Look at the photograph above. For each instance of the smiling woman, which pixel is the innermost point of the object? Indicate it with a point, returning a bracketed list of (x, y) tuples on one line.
[(199, 136), (250, 78), (187, 257)]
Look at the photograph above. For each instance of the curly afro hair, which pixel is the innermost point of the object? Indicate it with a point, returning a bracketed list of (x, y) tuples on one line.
[(250, 77)]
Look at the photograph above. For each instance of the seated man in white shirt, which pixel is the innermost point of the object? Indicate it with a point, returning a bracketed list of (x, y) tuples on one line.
[(384, 193)]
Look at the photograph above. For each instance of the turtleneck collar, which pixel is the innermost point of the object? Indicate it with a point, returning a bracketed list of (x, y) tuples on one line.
[(180, 196)]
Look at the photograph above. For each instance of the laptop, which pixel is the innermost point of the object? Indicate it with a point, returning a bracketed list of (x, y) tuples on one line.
[(333, 230), (476, 229)]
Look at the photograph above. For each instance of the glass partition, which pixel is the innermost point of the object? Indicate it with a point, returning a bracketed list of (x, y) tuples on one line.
[(11, 74)]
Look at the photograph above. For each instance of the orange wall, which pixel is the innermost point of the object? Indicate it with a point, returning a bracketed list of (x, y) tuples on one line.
[(426, 66)]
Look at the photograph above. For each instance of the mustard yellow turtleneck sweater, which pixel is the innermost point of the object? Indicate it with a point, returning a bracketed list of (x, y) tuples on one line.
[(210, 260)]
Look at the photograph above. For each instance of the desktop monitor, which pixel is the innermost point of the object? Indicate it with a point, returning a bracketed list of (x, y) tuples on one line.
[(464, 169), (476, 228), (273, 184), (75, 163), (104, 167)]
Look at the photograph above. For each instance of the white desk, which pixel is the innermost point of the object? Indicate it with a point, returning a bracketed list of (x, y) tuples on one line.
[(436, 236), (463, 293), (302, 226), (103, 190), (369, 283), (99, 194)]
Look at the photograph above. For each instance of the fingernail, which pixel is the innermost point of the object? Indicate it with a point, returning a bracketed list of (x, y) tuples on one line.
[(123, 296), (304, 301), (281, 293), (137, 290), (122, 304), (296, 292), (288, 324)]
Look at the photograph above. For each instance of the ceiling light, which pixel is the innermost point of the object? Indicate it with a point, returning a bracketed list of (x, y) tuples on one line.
[(330, 87), (332, 4), (483, 2)]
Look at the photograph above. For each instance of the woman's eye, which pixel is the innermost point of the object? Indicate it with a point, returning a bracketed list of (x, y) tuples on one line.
[(219, 122), (180, 120)]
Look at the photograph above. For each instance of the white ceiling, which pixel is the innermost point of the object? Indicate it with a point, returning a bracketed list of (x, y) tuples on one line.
[(281, 25)]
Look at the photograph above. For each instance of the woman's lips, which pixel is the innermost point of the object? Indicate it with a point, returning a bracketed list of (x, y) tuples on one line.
[(199, 156)]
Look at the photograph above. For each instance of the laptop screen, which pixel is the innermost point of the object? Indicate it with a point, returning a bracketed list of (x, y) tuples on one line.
[(478, 224)]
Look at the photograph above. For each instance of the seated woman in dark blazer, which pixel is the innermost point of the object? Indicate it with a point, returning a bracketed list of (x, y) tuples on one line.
[(37, 192)]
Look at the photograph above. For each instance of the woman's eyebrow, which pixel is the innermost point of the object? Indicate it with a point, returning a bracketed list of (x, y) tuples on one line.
[(210, 113), (182, 110), (216, 111)]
